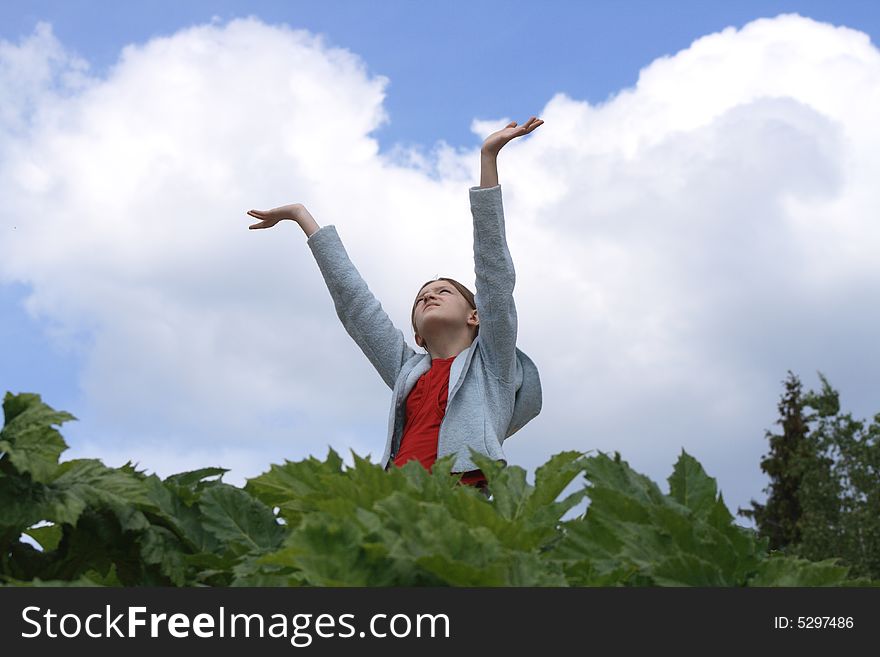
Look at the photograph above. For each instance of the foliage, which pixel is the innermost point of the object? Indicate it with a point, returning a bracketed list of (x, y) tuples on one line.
[(841, 496), (318, 523), (790, 454), (829, 489)]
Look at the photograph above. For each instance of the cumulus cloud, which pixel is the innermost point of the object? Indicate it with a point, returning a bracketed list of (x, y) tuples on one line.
[(678, 247)]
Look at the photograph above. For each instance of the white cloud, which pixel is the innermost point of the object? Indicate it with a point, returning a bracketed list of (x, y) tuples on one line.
[(678, 248)]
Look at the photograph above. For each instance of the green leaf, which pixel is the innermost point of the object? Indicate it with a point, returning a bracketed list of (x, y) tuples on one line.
[(690, 486), (28, 439), (188, 486), (455, 550), (80, 483), (615, 474), (30, 403), (329, 551), (194, 477), (792, 571), (688, 570), (236, 518), (161, 547), (635, 534), (288, 486), (97, 542), (20, 503), (554, 476), (185, 518), (508, 485)]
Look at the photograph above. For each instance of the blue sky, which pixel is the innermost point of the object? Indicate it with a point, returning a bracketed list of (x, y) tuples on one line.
[(452, 62), (448, 65)]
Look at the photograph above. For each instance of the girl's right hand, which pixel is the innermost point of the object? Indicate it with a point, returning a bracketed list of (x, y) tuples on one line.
[(269, 218)]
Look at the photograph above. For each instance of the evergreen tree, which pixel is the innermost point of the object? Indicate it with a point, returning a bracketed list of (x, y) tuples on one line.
[(824, 492), (779, 518)]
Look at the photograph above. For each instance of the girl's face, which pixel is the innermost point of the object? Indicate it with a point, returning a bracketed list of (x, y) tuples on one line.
[(440, 304)]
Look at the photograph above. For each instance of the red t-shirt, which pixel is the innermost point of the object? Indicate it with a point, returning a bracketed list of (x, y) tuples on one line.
[(425, 408)]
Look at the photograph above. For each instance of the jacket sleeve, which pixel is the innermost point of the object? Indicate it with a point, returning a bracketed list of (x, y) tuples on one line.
[(361, 313), (495, 278)]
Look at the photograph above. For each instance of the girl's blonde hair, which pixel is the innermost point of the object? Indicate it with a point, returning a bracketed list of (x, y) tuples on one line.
[(466, 293)]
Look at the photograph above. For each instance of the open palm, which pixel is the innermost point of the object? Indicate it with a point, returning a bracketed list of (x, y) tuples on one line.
[(496, 140), (269, 218)]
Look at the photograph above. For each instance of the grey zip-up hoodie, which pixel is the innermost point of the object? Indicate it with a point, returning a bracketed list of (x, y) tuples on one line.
[(494, 388)]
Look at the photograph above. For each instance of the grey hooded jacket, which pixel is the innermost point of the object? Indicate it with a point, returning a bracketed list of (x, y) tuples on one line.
[(494, 388)]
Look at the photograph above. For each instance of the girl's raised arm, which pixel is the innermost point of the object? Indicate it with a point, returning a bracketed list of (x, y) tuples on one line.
[(295, 212), (495, 142), (493, 266), (358, 309)]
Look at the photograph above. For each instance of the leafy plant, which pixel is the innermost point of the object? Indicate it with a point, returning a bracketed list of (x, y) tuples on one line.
[(320, 523)]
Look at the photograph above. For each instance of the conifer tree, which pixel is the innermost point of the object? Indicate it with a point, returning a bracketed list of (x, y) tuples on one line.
[(779, 518), (824, 491)]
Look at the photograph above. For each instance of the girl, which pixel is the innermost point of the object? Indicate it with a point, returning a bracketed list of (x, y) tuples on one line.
[(473, 388)]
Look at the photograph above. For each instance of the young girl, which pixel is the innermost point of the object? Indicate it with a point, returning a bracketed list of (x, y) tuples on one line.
[(473, 388)]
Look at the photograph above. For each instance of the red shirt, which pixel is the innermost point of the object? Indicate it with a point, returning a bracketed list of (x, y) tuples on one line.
[(425, 408)]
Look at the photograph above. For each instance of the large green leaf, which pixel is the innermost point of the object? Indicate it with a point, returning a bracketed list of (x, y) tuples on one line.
[(193, 478), (184, 517), (237, 519), (98, 542), (554, 476), (331, 551), (631, 527), (188, 486), (21, 503), (427, 534), (691, 486), (28, 439), (508, 486), (81, 483), (291, 485), (162, 548)]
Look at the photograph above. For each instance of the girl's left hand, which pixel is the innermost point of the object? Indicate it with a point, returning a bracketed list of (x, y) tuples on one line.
[(496, 140)]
